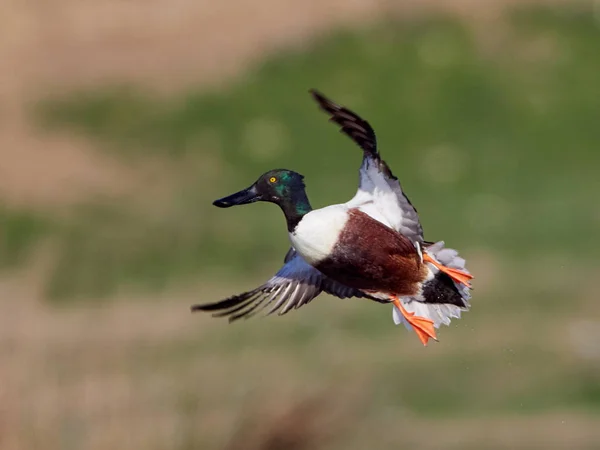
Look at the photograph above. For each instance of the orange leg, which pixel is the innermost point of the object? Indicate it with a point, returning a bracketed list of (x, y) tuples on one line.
[(457, 275), (422, 326)]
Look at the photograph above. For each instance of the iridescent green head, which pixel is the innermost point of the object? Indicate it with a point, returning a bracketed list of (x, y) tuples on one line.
[(280, 186)]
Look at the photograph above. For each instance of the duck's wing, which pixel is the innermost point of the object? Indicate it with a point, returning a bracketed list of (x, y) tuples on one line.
[(294, 285), (379, 192)]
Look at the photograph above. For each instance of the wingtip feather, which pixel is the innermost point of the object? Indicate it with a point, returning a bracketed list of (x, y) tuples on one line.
[(316, 94)]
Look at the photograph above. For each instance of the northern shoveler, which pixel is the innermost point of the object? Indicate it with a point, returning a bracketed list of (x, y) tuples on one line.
[(370, 247)]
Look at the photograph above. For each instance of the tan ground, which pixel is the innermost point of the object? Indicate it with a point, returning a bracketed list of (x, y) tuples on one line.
[(135, 375)]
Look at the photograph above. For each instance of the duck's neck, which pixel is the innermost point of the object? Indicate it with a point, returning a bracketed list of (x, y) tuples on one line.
[(295, 207)]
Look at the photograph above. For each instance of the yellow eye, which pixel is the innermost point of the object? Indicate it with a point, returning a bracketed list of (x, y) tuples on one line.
[(272, 179)]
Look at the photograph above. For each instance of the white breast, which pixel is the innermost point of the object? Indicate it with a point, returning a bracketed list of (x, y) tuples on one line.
[(318, 232)]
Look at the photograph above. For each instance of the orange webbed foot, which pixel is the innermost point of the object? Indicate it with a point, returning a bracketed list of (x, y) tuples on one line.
[(422, 326), (457, 275)]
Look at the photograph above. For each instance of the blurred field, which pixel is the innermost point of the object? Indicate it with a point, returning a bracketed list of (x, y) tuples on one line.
[(108, 233)]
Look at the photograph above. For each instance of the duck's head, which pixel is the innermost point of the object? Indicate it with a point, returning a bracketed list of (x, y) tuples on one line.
[(276, 186)]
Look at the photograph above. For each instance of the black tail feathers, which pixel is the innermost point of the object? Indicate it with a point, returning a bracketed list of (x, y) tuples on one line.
[(442, 290)]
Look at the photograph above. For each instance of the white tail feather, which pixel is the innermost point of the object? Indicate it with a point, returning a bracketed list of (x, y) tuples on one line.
[(440, 314)]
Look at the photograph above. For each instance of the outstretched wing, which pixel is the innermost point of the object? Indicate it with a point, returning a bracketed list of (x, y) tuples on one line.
[(296, 284), (379, 192)]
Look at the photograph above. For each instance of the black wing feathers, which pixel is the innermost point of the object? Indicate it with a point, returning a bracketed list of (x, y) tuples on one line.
[(352, 125), (355, 127)]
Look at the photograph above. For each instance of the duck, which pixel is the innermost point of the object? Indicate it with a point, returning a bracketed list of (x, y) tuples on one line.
[(371, 247)]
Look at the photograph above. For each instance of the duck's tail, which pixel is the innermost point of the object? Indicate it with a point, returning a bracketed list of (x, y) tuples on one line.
[(445, 294)]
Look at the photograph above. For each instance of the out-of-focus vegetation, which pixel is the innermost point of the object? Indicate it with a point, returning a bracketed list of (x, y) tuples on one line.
[(494, 135), (495, 142), (19, 232)]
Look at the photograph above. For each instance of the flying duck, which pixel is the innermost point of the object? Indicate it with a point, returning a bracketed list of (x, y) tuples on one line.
[(371, 247)]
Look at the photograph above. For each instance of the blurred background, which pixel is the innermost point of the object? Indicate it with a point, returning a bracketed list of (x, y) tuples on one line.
[(120, 123)]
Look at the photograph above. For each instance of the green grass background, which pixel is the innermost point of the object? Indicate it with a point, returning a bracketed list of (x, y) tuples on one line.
[(495, 138)]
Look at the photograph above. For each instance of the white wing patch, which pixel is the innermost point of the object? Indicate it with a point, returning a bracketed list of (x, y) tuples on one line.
[(379, 193), (382, 198)]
